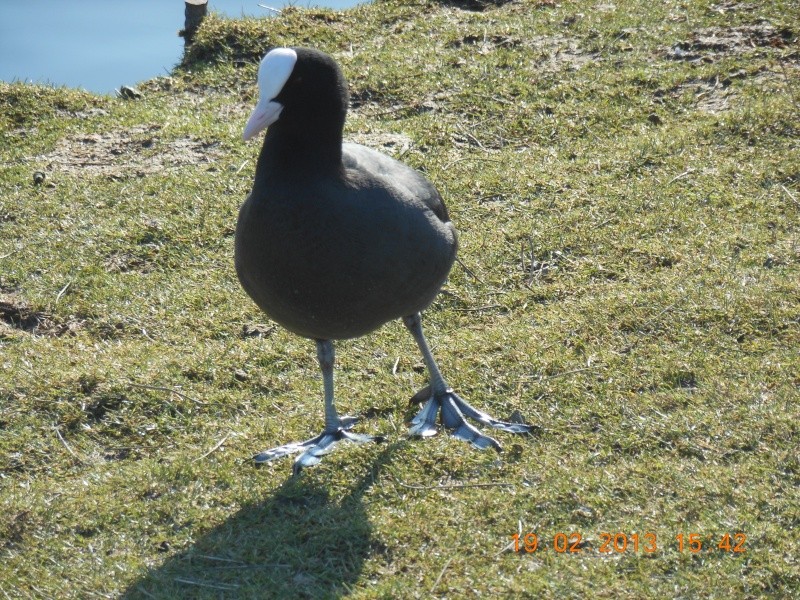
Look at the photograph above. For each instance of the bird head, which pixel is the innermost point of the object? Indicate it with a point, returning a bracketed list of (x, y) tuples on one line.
[(273, 73)]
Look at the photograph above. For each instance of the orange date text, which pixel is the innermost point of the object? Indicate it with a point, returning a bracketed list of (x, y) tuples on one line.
[(621, 542)]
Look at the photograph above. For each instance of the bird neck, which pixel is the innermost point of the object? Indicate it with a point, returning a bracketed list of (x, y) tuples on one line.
[(300, 152)]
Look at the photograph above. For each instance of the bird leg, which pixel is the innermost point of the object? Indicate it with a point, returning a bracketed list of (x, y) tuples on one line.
[(336, 428), (453, 408)]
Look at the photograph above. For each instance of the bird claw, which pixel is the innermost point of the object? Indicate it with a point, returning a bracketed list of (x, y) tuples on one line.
[(453, 410), (315, 448), (424, 424)]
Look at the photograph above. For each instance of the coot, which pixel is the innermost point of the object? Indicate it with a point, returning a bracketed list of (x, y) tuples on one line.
[(336, 239)]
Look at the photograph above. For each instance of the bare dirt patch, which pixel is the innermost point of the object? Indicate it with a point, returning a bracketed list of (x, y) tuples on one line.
[(123, 262), (711, 95), (711, 43), (14, 315), (475, 5), (557, 52), (552, 52), (730, 6), (717, 94), (486, 43), (137, 151)]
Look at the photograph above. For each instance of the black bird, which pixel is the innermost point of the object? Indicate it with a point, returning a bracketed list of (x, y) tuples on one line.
[(337, 239)]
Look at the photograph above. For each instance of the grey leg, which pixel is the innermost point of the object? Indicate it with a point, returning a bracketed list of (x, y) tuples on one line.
[(453, 408), (326, 357), (336, 427)]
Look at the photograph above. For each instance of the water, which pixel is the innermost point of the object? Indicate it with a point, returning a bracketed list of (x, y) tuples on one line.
[(100, 45)]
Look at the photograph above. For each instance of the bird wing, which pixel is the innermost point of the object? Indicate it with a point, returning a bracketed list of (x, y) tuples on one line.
[(363, 159)]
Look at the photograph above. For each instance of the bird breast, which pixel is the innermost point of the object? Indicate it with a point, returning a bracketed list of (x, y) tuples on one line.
[(339, 260)]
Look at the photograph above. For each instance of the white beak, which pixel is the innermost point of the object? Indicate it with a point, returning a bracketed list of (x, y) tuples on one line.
[(264, 115)]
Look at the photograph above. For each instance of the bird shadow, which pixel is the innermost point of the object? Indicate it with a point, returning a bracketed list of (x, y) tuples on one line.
[(298, 543)]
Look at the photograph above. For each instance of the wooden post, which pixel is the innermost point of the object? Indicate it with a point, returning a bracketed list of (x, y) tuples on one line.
[(194, 14)]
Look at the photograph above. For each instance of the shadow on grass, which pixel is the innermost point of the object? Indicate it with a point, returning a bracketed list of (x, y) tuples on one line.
[(296, 544)]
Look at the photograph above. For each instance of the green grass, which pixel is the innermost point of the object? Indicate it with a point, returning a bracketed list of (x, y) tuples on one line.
[(630, 240)]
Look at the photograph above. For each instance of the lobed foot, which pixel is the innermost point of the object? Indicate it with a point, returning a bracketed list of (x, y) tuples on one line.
[(315, 448), (453, 410)]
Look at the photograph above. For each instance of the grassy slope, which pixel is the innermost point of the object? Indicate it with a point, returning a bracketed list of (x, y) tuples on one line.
[(629, 227)]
